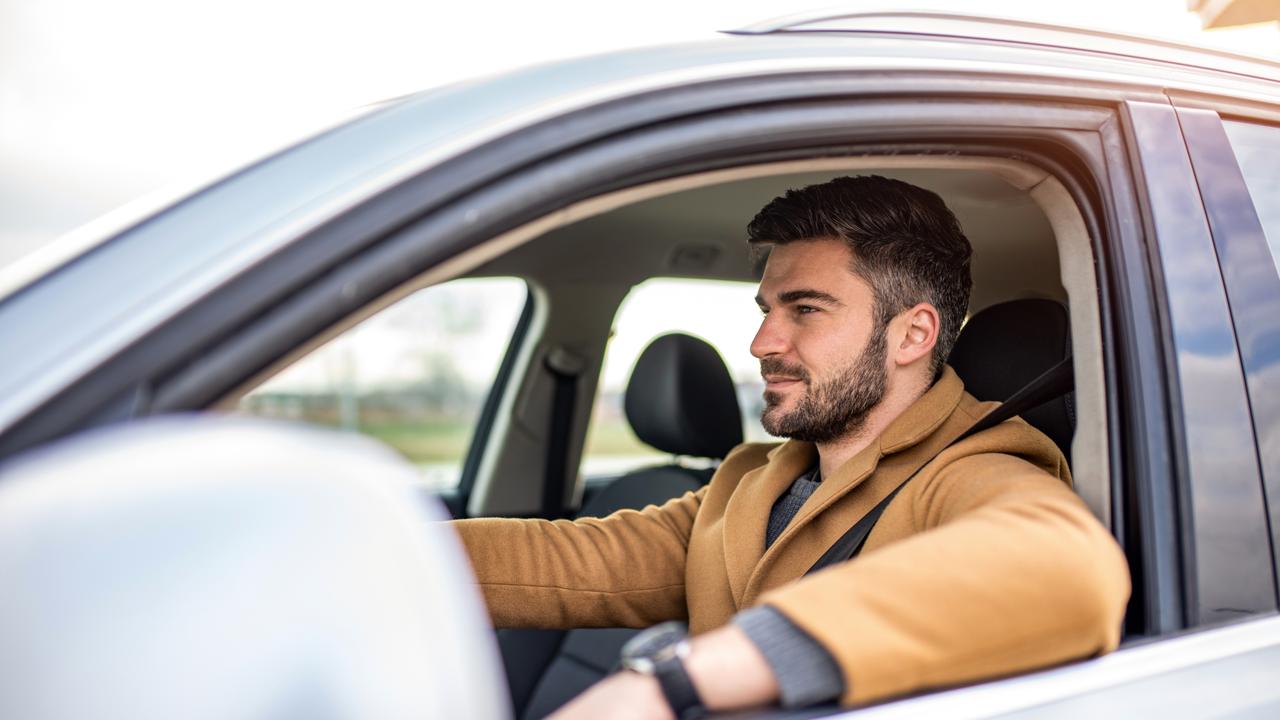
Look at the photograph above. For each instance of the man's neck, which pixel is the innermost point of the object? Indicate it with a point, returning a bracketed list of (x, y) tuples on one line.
[(834, 453)]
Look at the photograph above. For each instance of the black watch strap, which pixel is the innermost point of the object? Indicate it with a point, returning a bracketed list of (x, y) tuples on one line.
[(678, 688)]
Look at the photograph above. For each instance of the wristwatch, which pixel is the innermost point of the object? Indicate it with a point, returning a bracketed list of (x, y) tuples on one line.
[(660, 652)]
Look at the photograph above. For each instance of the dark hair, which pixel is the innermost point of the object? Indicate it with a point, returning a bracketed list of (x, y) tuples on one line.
[(907, 245)]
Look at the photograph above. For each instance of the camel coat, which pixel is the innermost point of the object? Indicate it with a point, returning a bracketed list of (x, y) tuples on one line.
[(986, 564)]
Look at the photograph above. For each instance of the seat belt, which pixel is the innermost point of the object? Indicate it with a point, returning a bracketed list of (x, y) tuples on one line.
[(565, 367), (1054, 382)]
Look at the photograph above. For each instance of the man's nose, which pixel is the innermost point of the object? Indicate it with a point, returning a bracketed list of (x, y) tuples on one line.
[(770, 339)]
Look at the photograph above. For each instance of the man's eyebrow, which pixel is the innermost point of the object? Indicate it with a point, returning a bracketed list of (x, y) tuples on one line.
[(790, 296)]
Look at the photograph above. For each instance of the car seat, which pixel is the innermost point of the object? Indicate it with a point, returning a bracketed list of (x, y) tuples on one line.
[(1004, 347), (681, 400)]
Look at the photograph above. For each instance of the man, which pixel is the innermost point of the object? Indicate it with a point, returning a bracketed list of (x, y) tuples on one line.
[(985, 564)]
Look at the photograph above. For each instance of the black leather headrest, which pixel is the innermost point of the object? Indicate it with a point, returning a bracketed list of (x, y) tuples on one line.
[(681, 400), (1006, 346)]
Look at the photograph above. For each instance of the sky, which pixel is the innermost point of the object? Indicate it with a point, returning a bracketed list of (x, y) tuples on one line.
[(101, 103)]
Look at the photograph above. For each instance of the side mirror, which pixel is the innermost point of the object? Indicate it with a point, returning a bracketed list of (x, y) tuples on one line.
[(232, 568)]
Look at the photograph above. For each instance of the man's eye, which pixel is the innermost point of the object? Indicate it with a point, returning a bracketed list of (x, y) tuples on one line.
[(806, 309)]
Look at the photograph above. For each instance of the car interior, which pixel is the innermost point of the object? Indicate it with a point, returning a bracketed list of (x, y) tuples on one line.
[(1034, 303)]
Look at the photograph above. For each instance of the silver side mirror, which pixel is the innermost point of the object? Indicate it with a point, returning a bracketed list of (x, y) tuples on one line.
[(229, 568)]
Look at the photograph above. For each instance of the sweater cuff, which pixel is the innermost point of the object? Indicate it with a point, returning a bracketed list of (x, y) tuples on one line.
[(807, 674)]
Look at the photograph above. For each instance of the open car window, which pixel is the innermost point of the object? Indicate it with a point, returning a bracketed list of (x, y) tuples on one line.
[(415, 376)]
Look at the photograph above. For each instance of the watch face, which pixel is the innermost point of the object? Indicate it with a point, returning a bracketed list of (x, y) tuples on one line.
[(641, 651)]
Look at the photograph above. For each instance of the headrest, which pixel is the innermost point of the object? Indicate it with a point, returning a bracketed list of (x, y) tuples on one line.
[(1006, 346), (681, 399)]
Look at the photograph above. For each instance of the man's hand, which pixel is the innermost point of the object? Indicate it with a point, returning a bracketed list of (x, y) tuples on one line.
[(725, 666)]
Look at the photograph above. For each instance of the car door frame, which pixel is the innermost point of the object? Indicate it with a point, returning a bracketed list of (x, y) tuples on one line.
[(330, 271)]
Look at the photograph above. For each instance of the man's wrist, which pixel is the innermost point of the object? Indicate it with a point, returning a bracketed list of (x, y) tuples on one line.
[(659, 653), (647, 691), (729, 672), (673, 678)]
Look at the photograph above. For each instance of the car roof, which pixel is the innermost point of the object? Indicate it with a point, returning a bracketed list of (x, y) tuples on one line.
[(996, 29), (443, 122), (458, 116), (200, 242), (454, 118)]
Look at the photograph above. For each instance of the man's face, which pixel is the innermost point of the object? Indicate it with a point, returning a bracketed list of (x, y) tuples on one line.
[(821, 356)]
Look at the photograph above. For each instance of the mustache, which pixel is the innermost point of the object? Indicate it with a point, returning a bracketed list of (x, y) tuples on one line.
[(778, 366)]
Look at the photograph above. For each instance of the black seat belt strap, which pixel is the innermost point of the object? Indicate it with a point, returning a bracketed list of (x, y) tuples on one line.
[(850, 543), (1054, 382), (564, 367)]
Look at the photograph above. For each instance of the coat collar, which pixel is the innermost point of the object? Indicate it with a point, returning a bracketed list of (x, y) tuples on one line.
[(747, 513), (925, 415)]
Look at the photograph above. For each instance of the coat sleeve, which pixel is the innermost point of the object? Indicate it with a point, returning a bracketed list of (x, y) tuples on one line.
[(1009, 572), (624, 570)]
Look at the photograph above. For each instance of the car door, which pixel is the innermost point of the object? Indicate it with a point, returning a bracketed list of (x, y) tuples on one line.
[(208, 320)]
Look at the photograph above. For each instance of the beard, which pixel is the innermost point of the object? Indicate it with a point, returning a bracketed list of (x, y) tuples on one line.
[(834, 407)]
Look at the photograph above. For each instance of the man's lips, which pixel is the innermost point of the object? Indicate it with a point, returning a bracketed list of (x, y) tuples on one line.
[(779, 382), (779, 376)]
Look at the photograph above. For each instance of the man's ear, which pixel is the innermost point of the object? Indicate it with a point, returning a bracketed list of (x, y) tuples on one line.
[(919, 333)]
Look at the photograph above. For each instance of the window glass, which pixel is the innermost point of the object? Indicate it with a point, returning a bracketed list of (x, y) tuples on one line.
[(1257, 149), (722, 313), (414, 376)]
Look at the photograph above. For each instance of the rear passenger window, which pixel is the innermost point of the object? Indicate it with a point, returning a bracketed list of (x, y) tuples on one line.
[(1257, 149), (415, 376), (722, 313)]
